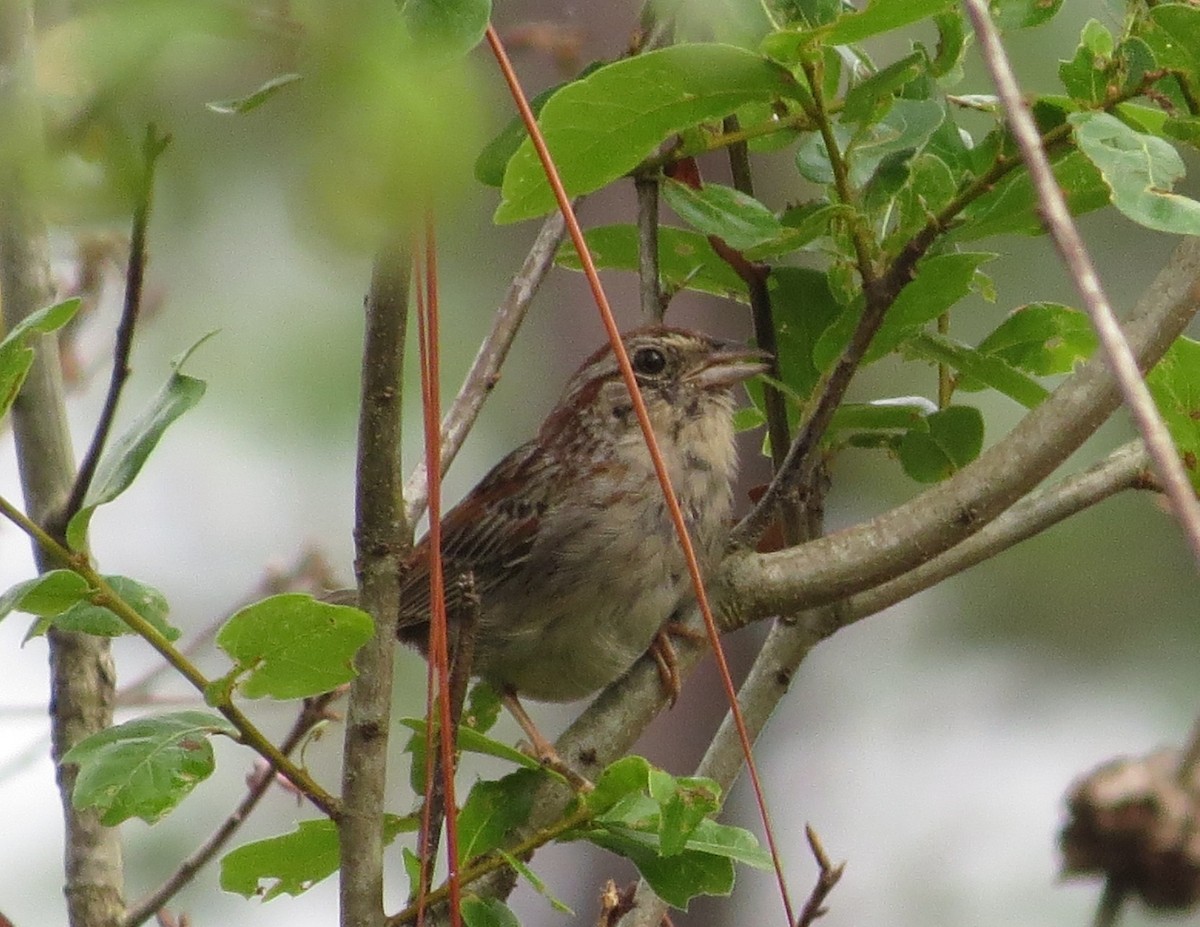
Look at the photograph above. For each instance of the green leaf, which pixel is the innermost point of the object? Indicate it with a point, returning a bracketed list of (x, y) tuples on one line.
[(412, 866), (1175, 36), (742, 221), (46, 595), (1021, 14), (1096, 38), (1086, 76), (941, 281), (519, 867), (599, 128), (469, 741), (1043, 338), (144, 768), (635, 810), (1140, 171), (951, 47), (686, 259), (255, 99), (15, 354), (453, 27), (87, 617), (675, 879), (733, 843), (293, 863), (629, 775), (802, 225), (882, 16), (1186, 129), (983, 369), (869, 99), (1010, 206), (905, 128), (659, 822), (1136, 66), (492, 810), (1175, 385), (492, 161), (748, 419), (804, 308), (685, 804), (124, 459), (954, 439), (487, 912), (293, 646), (289, 864), (931, 185), (482, 709)]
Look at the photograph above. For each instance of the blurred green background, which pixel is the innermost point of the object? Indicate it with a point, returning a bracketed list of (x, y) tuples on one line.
[(930, 746)]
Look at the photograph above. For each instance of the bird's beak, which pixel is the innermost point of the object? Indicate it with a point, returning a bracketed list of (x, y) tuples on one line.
[(730, 364)]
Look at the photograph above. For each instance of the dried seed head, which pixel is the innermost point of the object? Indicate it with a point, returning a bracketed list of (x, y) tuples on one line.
[(1135, 822)]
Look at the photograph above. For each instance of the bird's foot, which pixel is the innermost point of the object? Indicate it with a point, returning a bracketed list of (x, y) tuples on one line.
[(666, 657)]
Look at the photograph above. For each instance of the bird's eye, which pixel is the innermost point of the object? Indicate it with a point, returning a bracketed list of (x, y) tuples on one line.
[(649, 361)]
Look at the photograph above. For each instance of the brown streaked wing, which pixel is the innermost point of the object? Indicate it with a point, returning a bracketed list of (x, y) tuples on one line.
[(489, 532)]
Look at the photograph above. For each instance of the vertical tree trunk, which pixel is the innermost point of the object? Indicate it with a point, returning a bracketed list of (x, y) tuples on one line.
[(81, 671)]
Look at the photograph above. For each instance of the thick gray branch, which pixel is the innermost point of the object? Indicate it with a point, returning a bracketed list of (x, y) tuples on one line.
[(1124, 468), (753, 586), (81, 670)]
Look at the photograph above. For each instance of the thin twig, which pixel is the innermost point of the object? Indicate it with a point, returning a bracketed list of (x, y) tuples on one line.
[(382, 536), (945, 377), (828, 876), (1075, 256), (153, 145), (313, 712), (1124, 468), (485, 370), (466, 625), (649, 277), (762, 314)]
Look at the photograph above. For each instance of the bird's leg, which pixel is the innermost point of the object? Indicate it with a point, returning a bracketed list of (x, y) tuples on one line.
[(667, 660), (543, 751)]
